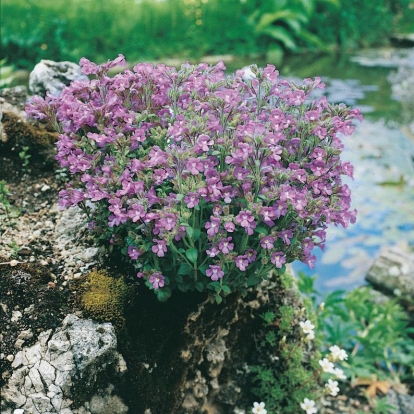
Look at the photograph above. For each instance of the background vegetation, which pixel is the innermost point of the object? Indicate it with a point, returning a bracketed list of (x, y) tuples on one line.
[(151, 29)]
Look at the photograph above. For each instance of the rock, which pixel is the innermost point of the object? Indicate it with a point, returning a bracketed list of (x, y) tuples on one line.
[(393, 272), (65, 367), (50, 76), (403, 403), (16, 315)]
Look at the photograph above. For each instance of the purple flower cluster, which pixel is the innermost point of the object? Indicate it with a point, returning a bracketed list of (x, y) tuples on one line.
[(203, 177)]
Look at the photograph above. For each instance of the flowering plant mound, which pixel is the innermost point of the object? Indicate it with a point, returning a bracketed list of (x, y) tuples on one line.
[(206, 182)]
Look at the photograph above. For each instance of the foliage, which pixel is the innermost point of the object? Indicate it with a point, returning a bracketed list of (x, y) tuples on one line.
[(361, 23), (286, 22), (141, 30), (147, 30), (291, 370), (6, 73), (4, 193), (25, 157), (206, 182), (375, 334)]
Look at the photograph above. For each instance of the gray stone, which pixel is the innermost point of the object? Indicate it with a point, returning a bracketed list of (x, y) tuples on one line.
[(404, 404), (16, 315), (75, 354), (47, 372), (36, 380), (393, 272), (50, 76), (25, 335)]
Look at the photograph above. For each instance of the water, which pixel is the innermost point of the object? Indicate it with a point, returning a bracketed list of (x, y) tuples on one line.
[(382, 152)]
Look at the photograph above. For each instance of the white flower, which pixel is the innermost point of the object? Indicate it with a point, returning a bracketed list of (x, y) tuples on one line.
[(338, 353), (326, 365), (310, 336), (333, 388), (339, 373), (309, 406), (258, 408), (307, 326)]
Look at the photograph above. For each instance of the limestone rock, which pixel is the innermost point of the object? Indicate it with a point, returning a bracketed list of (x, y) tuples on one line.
[(50, 76), (64, 367), (393, 272)]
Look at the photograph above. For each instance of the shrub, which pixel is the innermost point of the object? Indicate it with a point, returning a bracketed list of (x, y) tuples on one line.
[(204, 181)]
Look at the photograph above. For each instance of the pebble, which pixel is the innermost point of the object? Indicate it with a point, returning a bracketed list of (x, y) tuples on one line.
[(45, 188), (10, 358), (13, 263), (19, 343), (16, 315), (77, 275), (44, 262), (18, 411)]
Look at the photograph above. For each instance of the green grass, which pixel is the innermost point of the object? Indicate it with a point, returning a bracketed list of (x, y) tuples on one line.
[(141, 31)]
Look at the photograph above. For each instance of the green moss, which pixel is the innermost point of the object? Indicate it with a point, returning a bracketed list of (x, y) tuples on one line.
[(104, 297)]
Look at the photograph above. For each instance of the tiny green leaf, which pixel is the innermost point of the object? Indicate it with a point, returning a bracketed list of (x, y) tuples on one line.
[(184, 269), (253, 280), (199, 286), (192, 255)]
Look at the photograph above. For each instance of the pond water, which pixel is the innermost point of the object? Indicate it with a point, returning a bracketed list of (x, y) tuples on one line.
[(382, 152)]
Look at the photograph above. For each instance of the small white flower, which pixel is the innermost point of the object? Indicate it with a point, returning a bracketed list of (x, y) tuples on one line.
[(307, 326), (309, 406), (338, 353), (333, 388), (258, 408), (326, 365), (310, 336), (339, 373)]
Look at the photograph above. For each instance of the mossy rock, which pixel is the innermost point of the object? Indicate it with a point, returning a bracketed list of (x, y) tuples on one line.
[(104, 297)]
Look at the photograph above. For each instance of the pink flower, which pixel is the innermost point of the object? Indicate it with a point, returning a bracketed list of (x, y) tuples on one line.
[(214, 272), (267, 242), (191, 200), (157, 280), (229, 226), (241, 262), (133, 252), (195, 166), (212, 226), (225, 245), (246, 220), (160, 248), (278, 259)]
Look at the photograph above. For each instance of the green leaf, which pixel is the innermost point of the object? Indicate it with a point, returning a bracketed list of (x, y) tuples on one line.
[(253, 280), (190, 232), (163, 294), (218, 299), (214, 286), (184, 269), (262, 230), (192, 255), (196, 234), (226, 289), (281, 34), (199, 286)]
